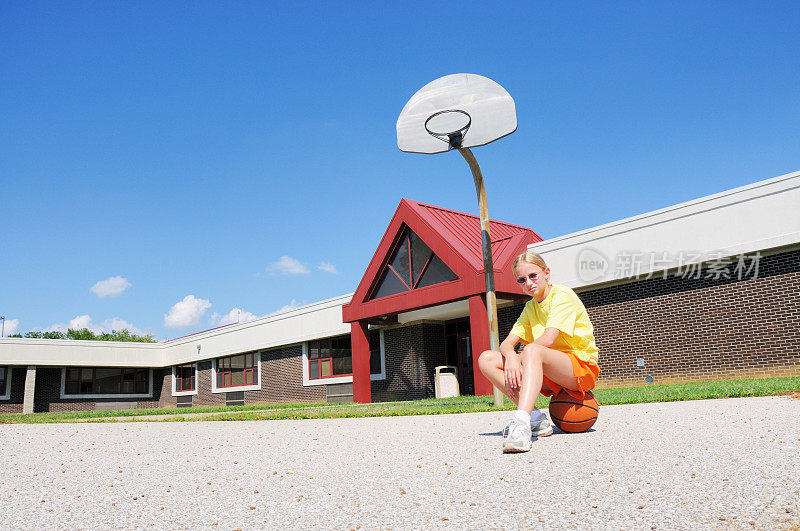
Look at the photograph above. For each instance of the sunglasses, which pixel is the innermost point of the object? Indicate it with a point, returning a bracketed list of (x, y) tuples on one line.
[(531, 277)]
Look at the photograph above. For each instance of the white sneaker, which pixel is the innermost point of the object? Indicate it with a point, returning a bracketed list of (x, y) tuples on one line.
[(541, 427), (516, 436)]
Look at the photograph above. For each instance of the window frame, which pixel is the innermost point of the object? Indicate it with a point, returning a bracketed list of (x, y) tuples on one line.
[(256, 369), (7, 394), (411, 283), (329, 358), (337, 379), (175, 379), (149, 382)]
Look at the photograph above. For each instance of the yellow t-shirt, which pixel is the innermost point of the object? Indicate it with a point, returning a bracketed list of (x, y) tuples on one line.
[(561, 309)]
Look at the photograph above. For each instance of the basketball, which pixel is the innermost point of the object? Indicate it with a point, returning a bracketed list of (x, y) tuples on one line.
[(572, 415)]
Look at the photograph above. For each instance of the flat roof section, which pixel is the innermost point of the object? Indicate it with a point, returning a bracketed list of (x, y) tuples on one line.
[(756, 217)]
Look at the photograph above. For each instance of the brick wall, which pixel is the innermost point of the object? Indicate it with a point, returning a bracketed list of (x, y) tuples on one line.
[(281, 381), (689, 329), (161, 377), (204, 396), (17, 395), (411, 354), (700, 329), (506, 317), (282, 378), (163, 382), (47, 395)]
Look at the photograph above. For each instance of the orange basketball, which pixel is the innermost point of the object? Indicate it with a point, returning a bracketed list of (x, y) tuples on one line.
[(572, 415)]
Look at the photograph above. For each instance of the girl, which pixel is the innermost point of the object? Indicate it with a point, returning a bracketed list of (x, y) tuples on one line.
[(559, 353)]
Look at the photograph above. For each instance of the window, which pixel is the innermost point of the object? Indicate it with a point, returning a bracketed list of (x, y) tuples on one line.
[(375, 366), (332, 357), (412, 266), (4, 383), (106, 381), (329, 357), (237, 371), (185, 377)]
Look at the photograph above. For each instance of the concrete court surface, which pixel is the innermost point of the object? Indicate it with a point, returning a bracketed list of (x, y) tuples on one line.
[(723, 464)]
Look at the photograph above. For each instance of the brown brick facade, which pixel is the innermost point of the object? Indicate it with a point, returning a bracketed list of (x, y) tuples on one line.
[(17, 391), (282, 378), (700, 329), (695, 329), (47, 394), (412, 352)]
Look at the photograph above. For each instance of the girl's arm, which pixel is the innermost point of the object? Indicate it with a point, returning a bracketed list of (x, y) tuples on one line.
[(508, 344), (511, 363), (548, 337)]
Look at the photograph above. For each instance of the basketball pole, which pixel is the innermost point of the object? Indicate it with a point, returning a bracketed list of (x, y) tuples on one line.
[(488, 267)]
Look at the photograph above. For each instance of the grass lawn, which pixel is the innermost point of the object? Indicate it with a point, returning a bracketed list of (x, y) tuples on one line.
[(464, 404)]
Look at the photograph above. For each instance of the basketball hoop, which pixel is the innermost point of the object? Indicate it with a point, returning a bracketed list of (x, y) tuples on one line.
[(446, 123), (459, 98)]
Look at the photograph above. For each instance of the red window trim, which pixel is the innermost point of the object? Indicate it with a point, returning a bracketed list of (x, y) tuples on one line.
[(179, 385), (310, 361), (226, 373), (424, 268), (179, 380), (398, 276)]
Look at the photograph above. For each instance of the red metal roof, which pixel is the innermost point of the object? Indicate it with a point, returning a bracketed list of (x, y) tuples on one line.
[(453, 236), (464, 232)]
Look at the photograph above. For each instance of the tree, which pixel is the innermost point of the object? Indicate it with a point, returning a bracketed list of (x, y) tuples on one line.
[(46, 335), (85, 334)]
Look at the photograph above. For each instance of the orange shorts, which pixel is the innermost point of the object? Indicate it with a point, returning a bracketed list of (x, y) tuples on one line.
[(585, 371)]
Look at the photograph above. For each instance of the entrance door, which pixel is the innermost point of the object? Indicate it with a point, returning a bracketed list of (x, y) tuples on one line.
[(459, 353)]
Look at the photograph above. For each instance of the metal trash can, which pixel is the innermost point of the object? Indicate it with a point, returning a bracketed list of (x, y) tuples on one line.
[(446, 379)]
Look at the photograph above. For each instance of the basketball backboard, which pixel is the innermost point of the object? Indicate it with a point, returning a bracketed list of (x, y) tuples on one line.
[(475, 105)]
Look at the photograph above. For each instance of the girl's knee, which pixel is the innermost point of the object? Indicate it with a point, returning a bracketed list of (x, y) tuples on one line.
[(490, 359), (532, 353)]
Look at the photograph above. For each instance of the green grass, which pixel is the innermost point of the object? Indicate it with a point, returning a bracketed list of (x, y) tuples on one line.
[(63, 416), (464, 404)]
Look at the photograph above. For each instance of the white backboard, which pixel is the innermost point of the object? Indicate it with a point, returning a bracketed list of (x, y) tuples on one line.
[(489, 106)]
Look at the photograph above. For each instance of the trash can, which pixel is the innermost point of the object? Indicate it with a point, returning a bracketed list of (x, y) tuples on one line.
[(446, 381)]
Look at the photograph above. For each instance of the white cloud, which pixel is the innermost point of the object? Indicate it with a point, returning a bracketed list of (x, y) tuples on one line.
[(10, 327), (291, 306), (85, 321), (57, 327), (327, 266), (236, 315), (80, 322), (289, 266), (186, 312), (115, 323), (110, 287)]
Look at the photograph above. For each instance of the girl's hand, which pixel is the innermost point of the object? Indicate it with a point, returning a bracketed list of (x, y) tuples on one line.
[(513, 373)]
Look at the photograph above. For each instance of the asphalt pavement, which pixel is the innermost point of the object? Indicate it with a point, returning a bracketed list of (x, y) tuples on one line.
[(731, 463)]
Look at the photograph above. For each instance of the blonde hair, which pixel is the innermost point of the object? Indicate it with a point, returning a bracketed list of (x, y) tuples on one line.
[(529, 257)]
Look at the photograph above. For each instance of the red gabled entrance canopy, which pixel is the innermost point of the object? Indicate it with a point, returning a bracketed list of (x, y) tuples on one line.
[(455, 237)]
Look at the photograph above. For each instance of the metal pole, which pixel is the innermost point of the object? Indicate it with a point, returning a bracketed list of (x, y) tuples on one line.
[(488, 268), (3, 330)]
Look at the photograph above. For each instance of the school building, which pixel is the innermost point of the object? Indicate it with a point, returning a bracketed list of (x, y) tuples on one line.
[(702, 290)]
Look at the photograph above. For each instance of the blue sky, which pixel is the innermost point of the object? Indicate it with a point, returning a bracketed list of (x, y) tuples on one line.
[(187, 159)]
